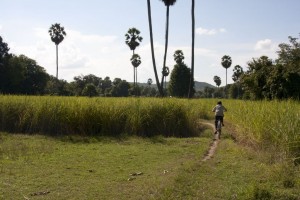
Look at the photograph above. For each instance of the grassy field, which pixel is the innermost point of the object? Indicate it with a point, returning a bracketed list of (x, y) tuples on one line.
[(86, 148), (92, 169), (41, 167)]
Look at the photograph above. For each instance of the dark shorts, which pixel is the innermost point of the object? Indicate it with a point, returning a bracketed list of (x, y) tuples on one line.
[(217, 118)]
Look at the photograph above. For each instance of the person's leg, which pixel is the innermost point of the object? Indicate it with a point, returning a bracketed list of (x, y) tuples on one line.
[(222, 121), (216, 122)]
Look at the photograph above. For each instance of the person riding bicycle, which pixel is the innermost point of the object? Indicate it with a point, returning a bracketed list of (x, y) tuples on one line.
[(219, 110)]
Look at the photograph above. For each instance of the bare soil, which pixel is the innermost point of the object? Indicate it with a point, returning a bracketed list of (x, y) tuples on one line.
[(213, 146)]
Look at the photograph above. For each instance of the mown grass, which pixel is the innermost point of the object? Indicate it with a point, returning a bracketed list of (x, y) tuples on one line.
[(236, 172), (39, 167)]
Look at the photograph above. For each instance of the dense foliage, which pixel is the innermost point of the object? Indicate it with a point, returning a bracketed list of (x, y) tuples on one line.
[(279, 79), (180, 77)]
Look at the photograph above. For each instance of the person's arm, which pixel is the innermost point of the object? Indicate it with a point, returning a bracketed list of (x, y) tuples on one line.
[(214, 109), (224, 108)]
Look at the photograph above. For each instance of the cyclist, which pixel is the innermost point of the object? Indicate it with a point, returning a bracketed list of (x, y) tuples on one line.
[(219, 110)]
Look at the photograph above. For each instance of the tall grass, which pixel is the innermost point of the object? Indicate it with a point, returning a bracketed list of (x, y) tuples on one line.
[(99, 116), (268, 123)]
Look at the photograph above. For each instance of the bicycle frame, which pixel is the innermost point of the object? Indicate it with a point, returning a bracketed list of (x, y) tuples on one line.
[(219, 129)]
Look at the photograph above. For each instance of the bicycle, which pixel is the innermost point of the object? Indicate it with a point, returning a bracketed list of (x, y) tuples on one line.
[(218, 130)]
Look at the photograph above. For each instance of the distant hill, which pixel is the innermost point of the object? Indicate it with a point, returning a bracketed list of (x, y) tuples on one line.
[(199, 86)]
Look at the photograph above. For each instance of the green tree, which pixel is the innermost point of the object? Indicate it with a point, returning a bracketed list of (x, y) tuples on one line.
[(167, 3), (3, 50), (22, 75), (289, 55), (193, 48), (133, 39), (57, 34), (35, 76), (226, 63), (12, 75), (254, 80), (152, 49), (81, 81), (106, 85), (180, 77), (208, 92), (4, 57), (120, 88), (90, 90)]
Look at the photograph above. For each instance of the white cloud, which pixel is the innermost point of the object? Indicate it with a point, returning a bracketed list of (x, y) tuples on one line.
[(0, 27), (222, 30), (264, 45), (78, 54), (204, 31)]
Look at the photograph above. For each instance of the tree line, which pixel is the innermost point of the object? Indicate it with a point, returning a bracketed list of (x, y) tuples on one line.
[(22, 75), (264, 78)]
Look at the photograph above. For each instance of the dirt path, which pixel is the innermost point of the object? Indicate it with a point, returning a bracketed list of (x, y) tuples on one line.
[(213, 146)]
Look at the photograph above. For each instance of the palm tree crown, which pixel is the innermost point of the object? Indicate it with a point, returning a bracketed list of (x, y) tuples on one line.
[(169, 2), (132, 38), (178, 56), (135, 60), (226, 61), (57, 33)]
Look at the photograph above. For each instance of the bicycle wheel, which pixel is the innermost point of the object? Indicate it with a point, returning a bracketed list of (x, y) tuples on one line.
[(219, 128)]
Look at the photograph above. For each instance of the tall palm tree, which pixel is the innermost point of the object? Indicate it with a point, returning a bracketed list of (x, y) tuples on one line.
[(217, 80), (226, 63), (237, 73), (168, 3), (165, 73), (57, 34), (135, 61), (152, 48), (193, 49), (133, 39)]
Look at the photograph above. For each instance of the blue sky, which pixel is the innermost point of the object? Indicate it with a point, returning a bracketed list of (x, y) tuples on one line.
[(242, 29)]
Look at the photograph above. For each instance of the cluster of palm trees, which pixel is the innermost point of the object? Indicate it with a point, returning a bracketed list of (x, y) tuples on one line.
[(165, 69), (226, 62), (133, 40), (57, 34)]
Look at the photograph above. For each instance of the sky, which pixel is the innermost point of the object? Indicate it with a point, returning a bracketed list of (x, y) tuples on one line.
[(95, 41)]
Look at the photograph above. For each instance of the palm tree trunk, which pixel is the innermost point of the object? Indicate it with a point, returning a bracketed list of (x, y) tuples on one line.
[(226, 85), (57, 61), (136, 81), (226, 77), (152, 49), (193, 49), (166, 42)]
